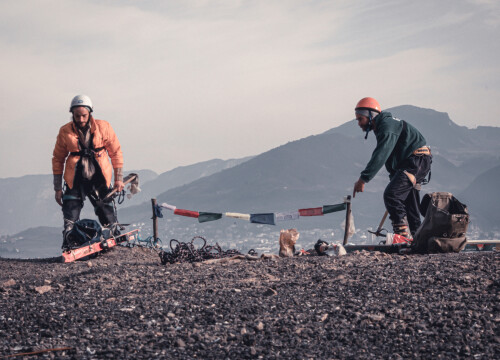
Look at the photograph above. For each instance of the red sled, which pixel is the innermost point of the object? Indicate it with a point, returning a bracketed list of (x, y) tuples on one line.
[(75, 254)]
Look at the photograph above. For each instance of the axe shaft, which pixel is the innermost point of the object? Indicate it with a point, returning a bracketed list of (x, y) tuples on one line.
[(125, 183), (382, 222), (377, 233)]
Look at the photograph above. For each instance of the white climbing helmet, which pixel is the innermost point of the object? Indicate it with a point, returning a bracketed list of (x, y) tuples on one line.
[(81, 100)]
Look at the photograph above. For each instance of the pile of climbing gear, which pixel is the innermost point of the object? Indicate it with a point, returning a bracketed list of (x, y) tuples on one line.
[(323, 248), (181, 252), (83, 232), (149, 243), (95, 247)]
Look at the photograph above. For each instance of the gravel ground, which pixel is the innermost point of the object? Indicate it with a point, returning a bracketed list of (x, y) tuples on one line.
[(125, 304)]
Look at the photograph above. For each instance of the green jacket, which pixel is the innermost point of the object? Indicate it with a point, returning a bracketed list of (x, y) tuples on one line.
[(393, 145)]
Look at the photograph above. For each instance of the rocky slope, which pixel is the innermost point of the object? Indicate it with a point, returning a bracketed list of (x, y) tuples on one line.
[(125, 304)]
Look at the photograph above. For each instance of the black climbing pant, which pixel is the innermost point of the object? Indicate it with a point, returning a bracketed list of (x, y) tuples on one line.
[(401, 198), (96, 191)]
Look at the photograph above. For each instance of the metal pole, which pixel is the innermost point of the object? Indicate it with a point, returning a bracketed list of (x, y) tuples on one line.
[(155, 220), (347, 219)]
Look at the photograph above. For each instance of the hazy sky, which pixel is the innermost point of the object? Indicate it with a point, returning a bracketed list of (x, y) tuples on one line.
[(187, 81)]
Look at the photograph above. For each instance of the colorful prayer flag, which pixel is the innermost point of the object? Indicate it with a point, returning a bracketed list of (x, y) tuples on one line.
[(187, 213), (267, 218), (158, 212), (311, 211), (208, 216), (333, 208), (287, 215), (168, 206), (237, 216)]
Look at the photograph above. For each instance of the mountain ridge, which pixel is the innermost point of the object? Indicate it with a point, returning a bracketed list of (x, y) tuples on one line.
[(320, 169), (313, 171)]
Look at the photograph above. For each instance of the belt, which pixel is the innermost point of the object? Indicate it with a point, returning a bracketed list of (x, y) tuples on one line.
[(424, 150)]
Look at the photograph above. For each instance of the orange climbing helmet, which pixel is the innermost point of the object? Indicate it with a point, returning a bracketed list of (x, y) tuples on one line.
[(368, 103), (366, 106)]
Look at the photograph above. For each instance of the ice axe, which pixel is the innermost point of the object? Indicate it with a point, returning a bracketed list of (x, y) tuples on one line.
[(379, 229), (128, 179)]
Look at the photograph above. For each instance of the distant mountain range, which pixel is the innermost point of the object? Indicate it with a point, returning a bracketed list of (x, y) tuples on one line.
[(321, 169), (313, 171), (180, 176), (482, 197), (38, 242), (458, 144), (28, 201)]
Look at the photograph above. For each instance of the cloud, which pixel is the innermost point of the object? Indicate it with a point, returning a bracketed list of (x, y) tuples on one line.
[(183, 82)]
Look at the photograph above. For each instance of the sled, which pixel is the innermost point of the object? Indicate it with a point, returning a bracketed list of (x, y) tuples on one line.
[(482, 245), (93, 248), (472, 245), (388, 249)]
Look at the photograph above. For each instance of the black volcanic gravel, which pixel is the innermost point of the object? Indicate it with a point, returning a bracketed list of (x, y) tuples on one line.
[(125, 304)]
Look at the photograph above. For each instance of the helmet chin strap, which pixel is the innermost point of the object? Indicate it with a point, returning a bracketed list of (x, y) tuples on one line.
[(370, 124)]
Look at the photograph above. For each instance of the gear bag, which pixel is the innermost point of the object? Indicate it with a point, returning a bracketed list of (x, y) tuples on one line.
[(445, 224), (85, 231)]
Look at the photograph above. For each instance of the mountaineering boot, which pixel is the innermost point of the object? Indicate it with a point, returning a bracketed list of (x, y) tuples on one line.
[(402, 229), (68, 242)]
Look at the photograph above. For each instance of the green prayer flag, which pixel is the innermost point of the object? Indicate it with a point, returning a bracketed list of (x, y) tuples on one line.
[(333, 208), (208, 216)]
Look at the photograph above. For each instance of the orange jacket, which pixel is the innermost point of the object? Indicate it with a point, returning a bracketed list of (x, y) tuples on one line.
[(67, 142)]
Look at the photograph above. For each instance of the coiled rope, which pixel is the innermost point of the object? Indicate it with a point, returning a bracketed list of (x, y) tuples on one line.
[(181, 252)]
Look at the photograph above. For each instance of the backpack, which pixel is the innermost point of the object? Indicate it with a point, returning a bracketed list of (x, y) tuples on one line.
[(444, 227), (85, 231)]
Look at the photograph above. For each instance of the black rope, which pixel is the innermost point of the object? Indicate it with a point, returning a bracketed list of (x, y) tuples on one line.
[(181, 252), (252, 252)]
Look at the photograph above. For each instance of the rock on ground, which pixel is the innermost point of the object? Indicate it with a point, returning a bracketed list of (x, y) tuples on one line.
[(125, 304)]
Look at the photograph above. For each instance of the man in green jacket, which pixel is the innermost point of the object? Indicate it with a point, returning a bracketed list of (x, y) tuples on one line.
[(403, 150)]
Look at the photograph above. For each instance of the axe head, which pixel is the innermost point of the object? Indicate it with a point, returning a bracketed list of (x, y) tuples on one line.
[(379, 232)]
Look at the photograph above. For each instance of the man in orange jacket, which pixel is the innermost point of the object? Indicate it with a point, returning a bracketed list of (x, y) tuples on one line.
[(82, 152)]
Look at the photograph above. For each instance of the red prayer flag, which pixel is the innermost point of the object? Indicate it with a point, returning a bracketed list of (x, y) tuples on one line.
[(188, 213), (311, 211)]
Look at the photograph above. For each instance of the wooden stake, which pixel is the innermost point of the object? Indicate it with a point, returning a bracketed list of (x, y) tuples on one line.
[(347, 219), (155, 220)]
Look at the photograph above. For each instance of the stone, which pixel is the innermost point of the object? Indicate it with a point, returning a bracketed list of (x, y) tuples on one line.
[(43, 289), (180, 343), (270, 292), (10, 282), (259, 326), (421, 307)]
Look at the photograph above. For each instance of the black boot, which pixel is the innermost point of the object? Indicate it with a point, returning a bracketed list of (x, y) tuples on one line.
[(68, 241), (402, 229)]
